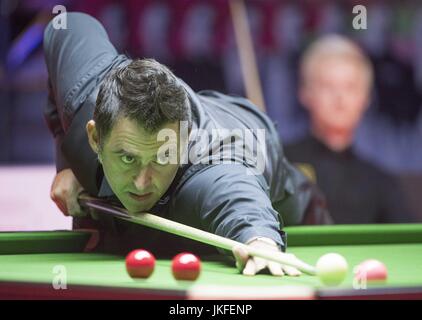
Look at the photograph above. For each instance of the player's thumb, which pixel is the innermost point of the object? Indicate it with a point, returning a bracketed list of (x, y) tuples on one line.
[(241, 255), (74, 208)]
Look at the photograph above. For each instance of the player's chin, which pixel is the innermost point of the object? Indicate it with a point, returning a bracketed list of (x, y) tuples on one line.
[(136, 208)]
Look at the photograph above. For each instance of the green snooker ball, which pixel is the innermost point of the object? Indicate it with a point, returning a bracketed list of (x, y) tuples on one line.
[(331, 269)]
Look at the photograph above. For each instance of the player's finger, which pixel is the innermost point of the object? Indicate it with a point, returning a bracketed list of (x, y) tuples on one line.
[(55, 196), (291, 256), (260, 264), (275, 269), (61, 205), (250, 268), (291, 271), (75, 209), (241, 256), (62, 208)]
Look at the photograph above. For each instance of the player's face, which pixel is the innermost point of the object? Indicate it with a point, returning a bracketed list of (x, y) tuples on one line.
[(132, 163), (336, 94)]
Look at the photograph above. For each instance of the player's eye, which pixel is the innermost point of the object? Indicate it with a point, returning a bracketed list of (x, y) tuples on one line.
[(127, 159)]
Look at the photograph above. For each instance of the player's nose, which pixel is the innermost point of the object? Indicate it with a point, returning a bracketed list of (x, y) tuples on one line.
[(339, 101), (143, 179)]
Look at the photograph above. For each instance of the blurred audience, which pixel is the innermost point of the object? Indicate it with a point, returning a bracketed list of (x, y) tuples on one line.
[(335, 85)]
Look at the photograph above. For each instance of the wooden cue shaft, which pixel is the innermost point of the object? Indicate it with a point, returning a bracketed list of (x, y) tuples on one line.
[(166, 225), (246, 53)]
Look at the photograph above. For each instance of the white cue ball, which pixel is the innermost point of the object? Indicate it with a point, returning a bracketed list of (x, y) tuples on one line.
[(331, 269)]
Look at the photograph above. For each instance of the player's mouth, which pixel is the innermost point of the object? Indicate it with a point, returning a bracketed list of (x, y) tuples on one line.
[(140, 197)]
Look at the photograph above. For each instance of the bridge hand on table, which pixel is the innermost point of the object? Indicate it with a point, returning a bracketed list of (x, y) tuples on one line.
[(252, 265)]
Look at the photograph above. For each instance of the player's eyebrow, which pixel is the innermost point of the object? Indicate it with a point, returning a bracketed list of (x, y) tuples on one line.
[(122, 151)]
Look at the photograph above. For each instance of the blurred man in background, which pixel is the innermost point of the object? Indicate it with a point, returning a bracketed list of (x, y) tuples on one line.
[(336, 82)]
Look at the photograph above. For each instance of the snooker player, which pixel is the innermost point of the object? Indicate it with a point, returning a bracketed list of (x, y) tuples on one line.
[(335, 88), (108, 112)]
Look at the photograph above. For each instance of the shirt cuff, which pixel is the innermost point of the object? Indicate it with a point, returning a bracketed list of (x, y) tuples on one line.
[(250, 233), (263, 239)]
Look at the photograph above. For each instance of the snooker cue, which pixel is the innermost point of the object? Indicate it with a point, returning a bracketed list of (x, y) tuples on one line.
[(166, 225), (246, 53)]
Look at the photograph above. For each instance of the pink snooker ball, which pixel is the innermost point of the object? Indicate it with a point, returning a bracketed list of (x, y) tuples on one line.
[(371, 271)]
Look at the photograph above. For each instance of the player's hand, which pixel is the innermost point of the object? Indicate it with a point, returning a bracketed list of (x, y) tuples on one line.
[(252, 265), (65, 191)]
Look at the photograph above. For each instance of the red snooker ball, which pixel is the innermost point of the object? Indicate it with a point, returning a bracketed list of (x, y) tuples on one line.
[(186, 266), (140, 263), (371, 271)]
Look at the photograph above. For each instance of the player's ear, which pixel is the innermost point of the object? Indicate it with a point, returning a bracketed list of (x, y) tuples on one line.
[(92, 136)]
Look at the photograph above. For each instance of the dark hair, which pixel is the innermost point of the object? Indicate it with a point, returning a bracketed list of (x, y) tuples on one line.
[(143, 90)]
